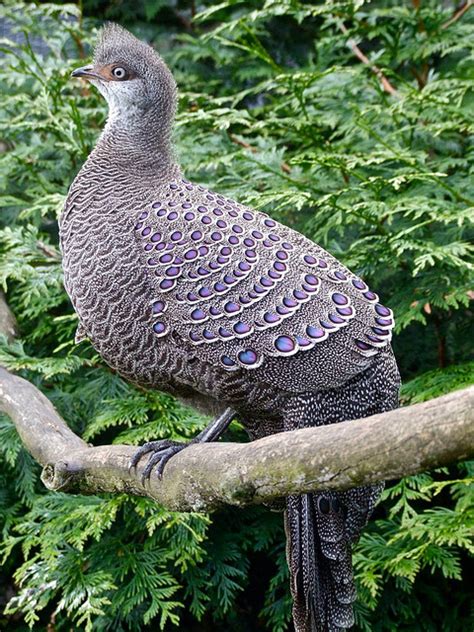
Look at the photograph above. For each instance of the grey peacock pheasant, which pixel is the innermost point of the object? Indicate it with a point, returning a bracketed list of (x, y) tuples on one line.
[(187, 291)]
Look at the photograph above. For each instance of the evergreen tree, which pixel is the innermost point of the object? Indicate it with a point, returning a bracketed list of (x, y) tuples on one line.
[(350, 121)]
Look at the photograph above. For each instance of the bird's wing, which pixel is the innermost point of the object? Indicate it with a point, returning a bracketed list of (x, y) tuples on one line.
[(240, 287)]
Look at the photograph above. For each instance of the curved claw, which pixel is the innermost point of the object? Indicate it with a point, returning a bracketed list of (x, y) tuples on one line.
[(150, 446), (162, 459)]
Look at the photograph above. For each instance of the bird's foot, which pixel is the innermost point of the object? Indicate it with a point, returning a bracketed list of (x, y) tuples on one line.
[(161, 453)]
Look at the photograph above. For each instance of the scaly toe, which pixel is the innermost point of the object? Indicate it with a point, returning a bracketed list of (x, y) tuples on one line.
[(146, 448)]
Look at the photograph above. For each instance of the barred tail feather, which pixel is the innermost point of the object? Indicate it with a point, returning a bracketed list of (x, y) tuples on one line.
[(320, 529)]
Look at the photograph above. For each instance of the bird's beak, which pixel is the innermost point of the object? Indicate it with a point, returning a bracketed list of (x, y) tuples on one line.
[(87, 72)]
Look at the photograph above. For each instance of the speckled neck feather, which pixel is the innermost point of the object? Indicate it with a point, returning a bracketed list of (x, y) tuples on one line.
[(187, 291)]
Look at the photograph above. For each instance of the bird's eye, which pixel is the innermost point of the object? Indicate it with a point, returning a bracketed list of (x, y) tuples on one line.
[(120, 73)]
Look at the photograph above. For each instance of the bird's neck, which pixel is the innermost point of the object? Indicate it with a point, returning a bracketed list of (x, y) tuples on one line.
[(137, 141)]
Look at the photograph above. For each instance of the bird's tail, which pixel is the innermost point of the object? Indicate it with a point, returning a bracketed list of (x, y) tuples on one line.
[(320, 530)]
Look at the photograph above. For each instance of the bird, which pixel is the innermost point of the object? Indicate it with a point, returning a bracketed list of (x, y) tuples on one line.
[(187, 291)]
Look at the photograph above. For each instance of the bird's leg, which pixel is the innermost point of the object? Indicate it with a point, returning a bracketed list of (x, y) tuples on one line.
[(163, 450)]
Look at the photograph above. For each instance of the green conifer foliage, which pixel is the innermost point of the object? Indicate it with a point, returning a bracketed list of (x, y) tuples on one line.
[(351, 121)]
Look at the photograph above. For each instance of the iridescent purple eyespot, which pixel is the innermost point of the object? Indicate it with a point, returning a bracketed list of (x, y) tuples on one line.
[(172, 271), (345, 311), (196, 235), (158, 307), (241, 328), (159, 328), (374, 339), (221, 224), (247, 216), (226, 361), (146, 231), (300, 295), (311, 279), (205, 219), (309, 259), (384, 322), (315, 332), (247, 357), (370, 296), (271, 318), (166, 258), (176, 236), (336, 319), (152, 261), (363, 346), (358, 284), (285, 344), (303, 342), (339, 299), (189, 216), (290, 302), (173, 215), (148, 247), (326, 325), (257, 234), (231, 308), (382, 310), (186, 205), (340, 275), (198, 314), (205, 292), (269, 222)]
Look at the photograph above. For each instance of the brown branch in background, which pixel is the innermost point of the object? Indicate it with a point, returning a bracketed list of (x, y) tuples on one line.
[(458, 14), (387, 86)]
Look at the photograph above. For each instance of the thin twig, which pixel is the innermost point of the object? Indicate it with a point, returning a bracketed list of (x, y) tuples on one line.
[(458, 14), (387, 86)]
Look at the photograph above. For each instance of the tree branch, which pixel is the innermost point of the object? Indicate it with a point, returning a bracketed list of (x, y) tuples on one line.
[(8, 326), (458, 14), (203, 477), (386, 85)]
